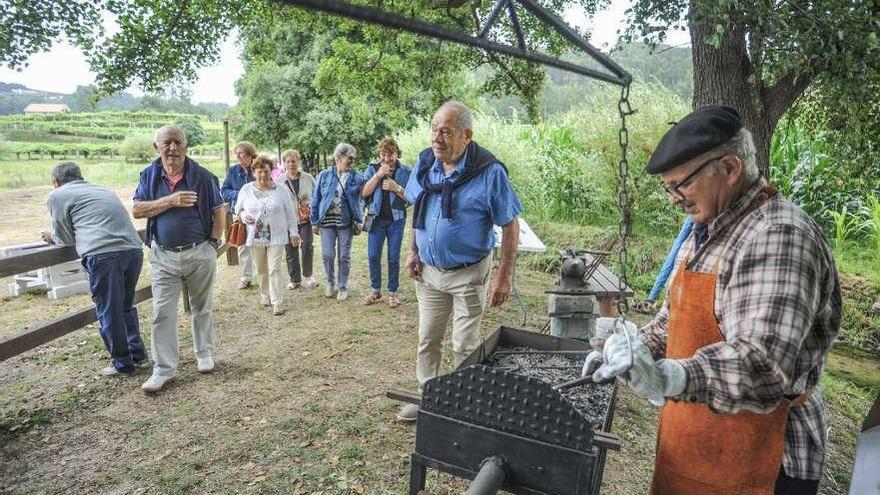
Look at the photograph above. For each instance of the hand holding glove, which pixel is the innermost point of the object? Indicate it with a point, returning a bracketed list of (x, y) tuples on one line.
[(649, 379)]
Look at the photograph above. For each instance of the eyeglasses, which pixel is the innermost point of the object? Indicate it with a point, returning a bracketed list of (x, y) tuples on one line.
[(675, 189)]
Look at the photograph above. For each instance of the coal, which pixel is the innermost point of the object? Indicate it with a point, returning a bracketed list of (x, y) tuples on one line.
[(591, 399)]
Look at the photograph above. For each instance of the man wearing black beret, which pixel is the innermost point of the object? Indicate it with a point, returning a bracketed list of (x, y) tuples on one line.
[(735, 354)]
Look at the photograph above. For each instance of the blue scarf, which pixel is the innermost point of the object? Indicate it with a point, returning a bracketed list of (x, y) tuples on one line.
[(477, 160)]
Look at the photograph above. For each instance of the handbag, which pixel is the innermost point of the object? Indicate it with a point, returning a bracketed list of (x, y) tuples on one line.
[(355, 225), (237, 235), (368, 222), (305, 209)]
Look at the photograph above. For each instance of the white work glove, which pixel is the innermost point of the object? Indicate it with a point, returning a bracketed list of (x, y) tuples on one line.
[(605, 328), (649, 379)]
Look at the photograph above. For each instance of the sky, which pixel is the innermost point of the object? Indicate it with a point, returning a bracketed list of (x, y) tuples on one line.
[(64, 67)]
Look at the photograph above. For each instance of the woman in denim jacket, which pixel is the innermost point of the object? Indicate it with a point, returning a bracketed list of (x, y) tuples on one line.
[(384, 193), (336, 205)]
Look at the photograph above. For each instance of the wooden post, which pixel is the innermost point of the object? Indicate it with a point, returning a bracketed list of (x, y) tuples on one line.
[(231, 253)]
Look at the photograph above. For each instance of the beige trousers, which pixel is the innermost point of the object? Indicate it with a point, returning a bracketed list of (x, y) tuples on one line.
[(443, 295), (271, 269)]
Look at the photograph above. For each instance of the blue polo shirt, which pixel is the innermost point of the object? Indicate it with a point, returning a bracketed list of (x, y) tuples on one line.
[(178, 226), (468, 237)]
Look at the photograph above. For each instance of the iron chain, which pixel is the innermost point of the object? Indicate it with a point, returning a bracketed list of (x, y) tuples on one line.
[(625, 110)]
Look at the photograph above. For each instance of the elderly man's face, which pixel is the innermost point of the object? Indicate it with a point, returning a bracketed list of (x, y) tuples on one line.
[(448, 141), (703, 188), (343, 163), (171, 145)]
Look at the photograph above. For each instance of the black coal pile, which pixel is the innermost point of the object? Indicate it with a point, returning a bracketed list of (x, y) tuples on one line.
[(592, 399)]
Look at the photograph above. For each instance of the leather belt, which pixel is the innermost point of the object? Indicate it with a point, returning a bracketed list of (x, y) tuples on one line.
[(179, 249), (461, 266)]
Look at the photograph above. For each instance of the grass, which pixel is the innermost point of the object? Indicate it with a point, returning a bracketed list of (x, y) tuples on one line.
[(111, 173)]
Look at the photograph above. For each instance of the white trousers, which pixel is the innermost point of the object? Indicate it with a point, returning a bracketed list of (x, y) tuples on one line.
[(458, 295), (271, 267), (196, 268), (246, 263)]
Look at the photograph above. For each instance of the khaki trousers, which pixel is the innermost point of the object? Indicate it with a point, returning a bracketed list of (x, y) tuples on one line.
[(246, 263), (196, 269), (271, 269), (443, 295)]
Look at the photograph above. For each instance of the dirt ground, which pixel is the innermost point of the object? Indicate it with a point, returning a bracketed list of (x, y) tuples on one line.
[(296, 404)]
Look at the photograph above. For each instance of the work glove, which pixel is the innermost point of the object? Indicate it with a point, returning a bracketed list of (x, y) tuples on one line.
[(633, 362), (605, 328)]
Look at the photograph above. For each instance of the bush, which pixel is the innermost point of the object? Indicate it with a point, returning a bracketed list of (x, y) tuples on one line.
[(192, 128), (138, 149)]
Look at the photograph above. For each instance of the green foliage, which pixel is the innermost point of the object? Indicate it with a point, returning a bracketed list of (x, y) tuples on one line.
[(872, 225), (138, 149), (192, 128), (844, 225)]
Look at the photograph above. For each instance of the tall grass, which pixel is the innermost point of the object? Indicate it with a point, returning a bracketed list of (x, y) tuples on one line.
[(871, 225), (566, 169)]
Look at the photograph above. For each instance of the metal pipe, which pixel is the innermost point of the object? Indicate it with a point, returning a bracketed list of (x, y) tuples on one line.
[(396, 21), (490, 477)]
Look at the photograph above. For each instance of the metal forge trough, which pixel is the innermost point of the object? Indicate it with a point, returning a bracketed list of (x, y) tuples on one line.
[(497, 420)]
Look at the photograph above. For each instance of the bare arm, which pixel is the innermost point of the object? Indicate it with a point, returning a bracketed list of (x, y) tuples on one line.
[(219, 222), (502, 282), (149, 209)]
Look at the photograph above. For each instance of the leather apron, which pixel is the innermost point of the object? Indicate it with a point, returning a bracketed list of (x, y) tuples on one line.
[(699, 451)]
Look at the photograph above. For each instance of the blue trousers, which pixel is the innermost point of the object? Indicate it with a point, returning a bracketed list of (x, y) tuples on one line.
[(336, 241), (381, 230), (112, 280)]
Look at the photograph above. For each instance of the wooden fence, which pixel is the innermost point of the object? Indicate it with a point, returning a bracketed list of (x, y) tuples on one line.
[(28, 339)]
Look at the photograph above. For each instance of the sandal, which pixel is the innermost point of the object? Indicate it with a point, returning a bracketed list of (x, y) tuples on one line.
[(393, 301), (371, 298)]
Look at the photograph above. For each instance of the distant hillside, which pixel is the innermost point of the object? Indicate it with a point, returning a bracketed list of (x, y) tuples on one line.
[(15, 97), (671, 67)]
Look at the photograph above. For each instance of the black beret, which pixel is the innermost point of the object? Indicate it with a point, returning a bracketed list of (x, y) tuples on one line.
[(703, 129)]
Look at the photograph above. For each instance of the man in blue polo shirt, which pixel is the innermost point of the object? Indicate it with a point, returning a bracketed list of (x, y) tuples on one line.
[(459, 190), (185, 219)]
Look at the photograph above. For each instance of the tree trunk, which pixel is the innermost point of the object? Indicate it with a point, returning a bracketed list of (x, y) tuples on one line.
[(728, 76)]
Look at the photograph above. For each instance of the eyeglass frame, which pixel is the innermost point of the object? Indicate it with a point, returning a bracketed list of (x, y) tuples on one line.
[(674, 190)]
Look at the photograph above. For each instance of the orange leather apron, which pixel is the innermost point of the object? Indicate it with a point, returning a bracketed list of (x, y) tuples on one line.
[(699, 451)]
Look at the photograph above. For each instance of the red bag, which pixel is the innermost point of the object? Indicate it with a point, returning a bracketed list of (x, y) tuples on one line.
[(237, 235)]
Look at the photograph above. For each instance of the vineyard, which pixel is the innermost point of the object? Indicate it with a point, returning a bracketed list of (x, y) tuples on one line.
[(87, 135)]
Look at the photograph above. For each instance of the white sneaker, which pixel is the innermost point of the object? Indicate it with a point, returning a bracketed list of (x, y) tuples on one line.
[(329, 291), (342, 295), (309, 283), (292, 285), (408, 413), (157, 382), (205, 365), (277, 309), (112, 371), (264, 301)]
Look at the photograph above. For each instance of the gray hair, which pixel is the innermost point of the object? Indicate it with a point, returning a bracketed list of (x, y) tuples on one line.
[(743, 146), (344, 149), (168, 128), (66, 172), (465, 118)]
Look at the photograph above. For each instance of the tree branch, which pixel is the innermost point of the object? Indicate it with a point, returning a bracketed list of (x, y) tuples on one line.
[(779, 97)]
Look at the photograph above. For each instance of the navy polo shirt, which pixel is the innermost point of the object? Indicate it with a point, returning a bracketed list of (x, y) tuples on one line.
[(178, 226)]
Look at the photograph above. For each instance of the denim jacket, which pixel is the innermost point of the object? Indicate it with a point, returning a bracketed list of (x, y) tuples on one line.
[(374, 202), (235, 179), (325, 185)]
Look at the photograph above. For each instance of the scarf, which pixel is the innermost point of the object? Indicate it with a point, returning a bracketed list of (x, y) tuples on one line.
[(476, 161)]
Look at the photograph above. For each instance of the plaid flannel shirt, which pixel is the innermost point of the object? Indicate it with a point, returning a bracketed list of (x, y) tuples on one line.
[(778, 305)]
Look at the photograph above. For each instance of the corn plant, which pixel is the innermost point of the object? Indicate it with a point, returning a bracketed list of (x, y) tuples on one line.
[(845, 226), (871, 224)]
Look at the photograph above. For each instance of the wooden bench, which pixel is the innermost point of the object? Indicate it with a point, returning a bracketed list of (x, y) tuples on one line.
[(607, 287)]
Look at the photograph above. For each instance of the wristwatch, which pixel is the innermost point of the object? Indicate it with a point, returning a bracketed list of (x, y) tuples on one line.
[(400, 189)]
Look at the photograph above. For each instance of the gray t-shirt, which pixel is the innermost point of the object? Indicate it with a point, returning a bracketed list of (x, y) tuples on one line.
[(92, 218)]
